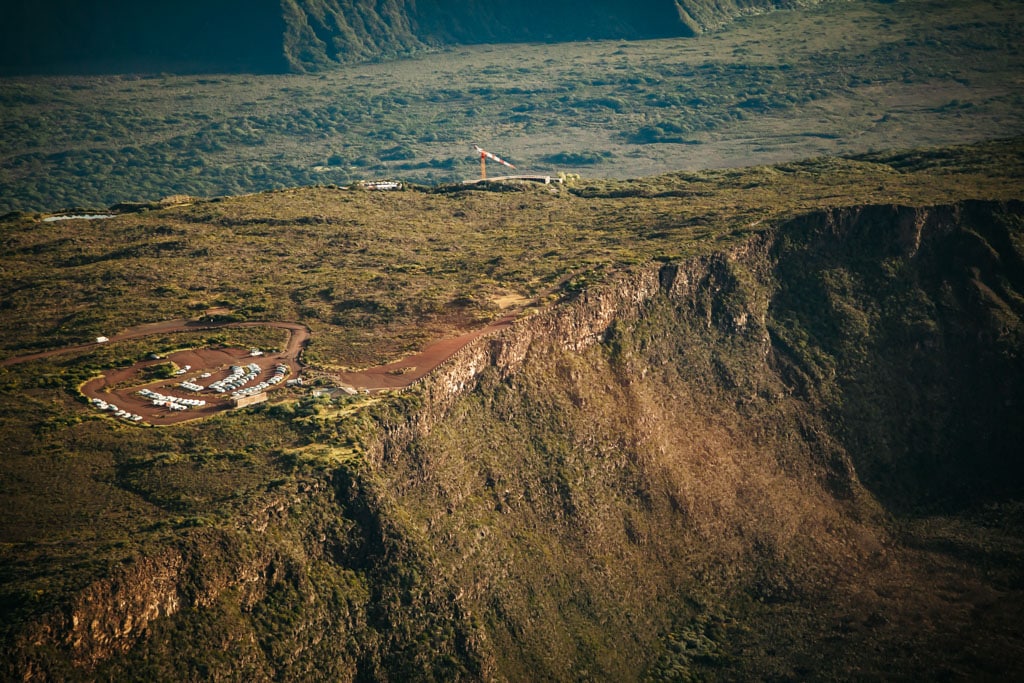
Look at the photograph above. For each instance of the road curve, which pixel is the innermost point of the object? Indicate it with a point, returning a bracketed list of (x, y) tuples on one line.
[(403, 373), (396, 375), (300, 334)]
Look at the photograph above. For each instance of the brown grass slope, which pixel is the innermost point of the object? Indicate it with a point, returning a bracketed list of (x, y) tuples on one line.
[(758, 423), (687, 481)]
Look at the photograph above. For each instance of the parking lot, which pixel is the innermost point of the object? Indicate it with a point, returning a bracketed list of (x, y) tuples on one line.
[(210, 381)]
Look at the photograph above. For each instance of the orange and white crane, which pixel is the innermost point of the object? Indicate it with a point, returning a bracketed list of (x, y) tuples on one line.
[(484, 156)]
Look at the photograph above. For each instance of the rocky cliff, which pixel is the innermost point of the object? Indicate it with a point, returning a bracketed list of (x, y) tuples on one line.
[(645, 480), (303, 35), (906, 325)]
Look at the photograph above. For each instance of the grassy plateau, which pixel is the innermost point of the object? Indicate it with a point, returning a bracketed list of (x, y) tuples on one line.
[(798, 466)]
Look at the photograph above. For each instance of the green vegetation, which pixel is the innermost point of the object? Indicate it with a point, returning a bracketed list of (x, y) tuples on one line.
[(558, 502), (376, 275), (159, 371), (841, 78), (753, 423)]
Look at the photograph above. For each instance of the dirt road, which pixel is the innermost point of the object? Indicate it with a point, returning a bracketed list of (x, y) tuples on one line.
[(299, 336), (403, 373), (121, 386)]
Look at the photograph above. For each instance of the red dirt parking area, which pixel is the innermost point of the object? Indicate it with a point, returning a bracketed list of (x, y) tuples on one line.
[(121, 387), (126, 389)]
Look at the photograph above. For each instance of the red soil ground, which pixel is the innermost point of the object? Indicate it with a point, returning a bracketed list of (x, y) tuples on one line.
[(121, 386), (406, 371)]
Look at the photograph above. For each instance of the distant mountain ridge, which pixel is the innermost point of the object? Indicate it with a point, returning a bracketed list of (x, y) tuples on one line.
[(62, 36)]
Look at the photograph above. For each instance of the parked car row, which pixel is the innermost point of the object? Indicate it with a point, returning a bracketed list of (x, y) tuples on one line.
[(279, 372), (100, 404), (170, 405), (172, 402), (239, 377)]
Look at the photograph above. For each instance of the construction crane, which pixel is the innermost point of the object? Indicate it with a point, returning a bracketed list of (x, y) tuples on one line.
[(484, 156)]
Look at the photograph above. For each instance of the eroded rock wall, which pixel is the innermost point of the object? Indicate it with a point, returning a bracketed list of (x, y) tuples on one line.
[(561, 495), (308, 35)]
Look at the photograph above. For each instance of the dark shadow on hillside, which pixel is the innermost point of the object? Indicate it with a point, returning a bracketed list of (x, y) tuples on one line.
[(906, 325), (124, 36)]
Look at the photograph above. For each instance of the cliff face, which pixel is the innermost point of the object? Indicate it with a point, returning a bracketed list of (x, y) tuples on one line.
[(61, 36), (325, 32), (612, 487), (304, 35), (904, 326), (620, 463)]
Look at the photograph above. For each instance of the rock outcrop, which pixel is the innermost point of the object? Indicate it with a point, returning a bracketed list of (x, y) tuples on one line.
[(307, 35), (559, 498)]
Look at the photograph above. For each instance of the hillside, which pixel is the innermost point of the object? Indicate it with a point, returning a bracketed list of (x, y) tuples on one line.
[(747, 424), (270, 36), (119, 36), (841, 78)]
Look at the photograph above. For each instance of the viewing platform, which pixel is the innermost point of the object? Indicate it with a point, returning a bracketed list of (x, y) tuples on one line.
[(545, 179)]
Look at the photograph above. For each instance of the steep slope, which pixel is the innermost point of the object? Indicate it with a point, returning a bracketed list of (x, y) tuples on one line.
[(324, 32), (675, 473), (304, 35), (694, 437), (125, 36), (621, 468), (907, 326)]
